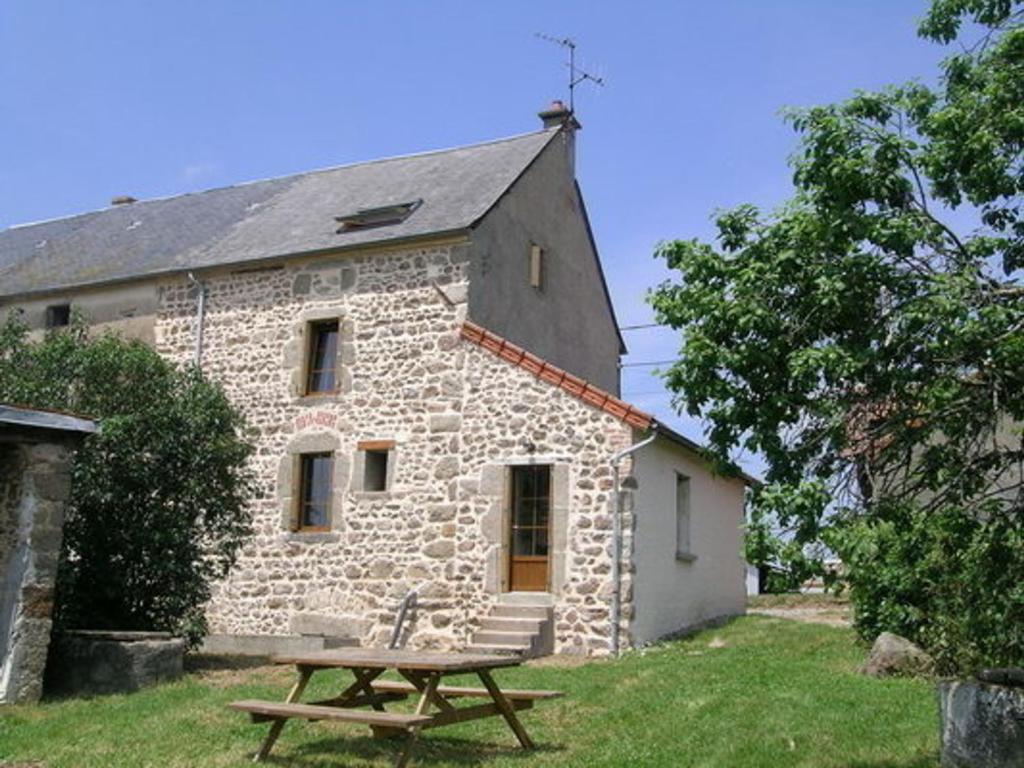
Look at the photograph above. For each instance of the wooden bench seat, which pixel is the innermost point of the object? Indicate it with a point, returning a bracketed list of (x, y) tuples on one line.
[(276, 710), (394, 686)]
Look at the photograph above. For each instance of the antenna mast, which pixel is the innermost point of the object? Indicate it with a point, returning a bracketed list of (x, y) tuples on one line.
[(576, 76)]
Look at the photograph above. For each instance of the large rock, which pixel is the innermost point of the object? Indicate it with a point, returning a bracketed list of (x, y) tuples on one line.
[(982, 725), (895, 656)]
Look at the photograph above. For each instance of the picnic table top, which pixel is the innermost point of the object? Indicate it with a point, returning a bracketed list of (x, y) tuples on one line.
[(384, 658)]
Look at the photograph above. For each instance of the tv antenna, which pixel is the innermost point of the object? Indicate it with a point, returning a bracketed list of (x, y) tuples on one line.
[(576, 75)]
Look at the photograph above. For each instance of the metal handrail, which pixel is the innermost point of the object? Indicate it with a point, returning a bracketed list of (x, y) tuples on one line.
[(403, 609)]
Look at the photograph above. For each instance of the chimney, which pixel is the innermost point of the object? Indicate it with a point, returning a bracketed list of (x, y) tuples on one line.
[(122, 200), (557, 115)]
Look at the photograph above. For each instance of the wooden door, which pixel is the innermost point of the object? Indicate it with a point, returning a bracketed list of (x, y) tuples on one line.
[(530, 524)]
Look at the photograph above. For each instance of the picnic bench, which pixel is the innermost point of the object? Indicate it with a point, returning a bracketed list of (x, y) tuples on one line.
[(422, 674)]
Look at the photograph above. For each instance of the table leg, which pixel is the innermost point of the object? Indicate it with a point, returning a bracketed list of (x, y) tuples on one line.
[(429, 692), (505, 708), (275, 728), (438, 700)]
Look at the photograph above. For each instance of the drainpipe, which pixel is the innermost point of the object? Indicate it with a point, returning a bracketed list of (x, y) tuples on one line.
[(197, 356), (616, 611)]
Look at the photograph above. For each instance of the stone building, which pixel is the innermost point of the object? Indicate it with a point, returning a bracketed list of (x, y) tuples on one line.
[(35, 478), (428, 352)]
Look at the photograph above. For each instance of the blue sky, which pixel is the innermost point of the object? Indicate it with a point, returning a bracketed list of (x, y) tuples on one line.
[(159, 98)]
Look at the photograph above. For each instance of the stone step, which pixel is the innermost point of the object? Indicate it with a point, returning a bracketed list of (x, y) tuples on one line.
[(523, 640), (495, 649), (521, 611), (544, 599), (512, 624)]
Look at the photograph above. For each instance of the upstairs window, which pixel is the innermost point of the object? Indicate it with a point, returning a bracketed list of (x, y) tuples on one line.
[(58, 316), (683, 543), (315, 480), (322, 366)]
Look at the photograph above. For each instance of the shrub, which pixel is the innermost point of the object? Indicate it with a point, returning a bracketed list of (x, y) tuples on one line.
[(159, 507), (950, 581)]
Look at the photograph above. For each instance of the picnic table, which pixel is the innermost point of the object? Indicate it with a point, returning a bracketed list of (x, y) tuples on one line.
[(422, 674)]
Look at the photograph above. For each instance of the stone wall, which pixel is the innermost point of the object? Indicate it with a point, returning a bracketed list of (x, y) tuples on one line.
[(457, 415), (34, 487)]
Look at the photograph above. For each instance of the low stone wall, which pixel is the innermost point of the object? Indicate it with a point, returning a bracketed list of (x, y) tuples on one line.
[(112, 662), (270, 645), (982, 725)]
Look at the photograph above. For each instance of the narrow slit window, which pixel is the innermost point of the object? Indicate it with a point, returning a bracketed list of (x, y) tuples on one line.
[(322, 377), (536, 266), (375, 473), (683, 543), (315, 492), (58, 316)]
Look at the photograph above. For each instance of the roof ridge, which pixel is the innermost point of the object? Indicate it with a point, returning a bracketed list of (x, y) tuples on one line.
[(285, 177), (579, 388)]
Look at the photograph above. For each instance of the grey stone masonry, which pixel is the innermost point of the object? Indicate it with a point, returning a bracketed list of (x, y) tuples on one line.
[(34, 487), (453, 419)]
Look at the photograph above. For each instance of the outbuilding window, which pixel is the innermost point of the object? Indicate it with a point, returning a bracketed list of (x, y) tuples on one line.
[(683, 544), (322, 365), (316, 473)]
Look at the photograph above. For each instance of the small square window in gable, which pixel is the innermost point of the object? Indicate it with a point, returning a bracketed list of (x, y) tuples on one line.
[(537, 267)]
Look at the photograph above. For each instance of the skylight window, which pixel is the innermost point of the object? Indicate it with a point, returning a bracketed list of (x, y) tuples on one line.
[(382, 216)]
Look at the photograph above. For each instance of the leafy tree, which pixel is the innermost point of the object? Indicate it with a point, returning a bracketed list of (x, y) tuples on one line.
[(870, 345), (159, 507)]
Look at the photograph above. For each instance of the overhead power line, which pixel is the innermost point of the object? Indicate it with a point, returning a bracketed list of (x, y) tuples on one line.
[(641, 326), (648, 362)]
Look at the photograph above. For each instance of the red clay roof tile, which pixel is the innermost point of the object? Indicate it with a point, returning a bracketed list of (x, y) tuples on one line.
[(552, 374)]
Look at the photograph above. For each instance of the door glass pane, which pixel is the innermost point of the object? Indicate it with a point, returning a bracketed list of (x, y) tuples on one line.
[(522, 542), (540, 542)]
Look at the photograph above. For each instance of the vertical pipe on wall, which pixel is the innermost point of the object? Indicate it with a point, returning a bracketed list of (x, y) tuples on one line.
[(197, 355), (616, 609)]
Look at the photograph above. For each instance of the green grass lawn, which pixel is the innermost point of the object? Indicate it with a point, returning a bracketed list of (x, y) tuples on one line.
[(759, 692)]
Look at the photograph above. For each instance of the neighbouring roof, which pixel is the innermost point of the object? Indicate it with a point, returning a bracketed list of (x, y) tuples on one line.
[(582, 390), (265, 219), (56, 421)]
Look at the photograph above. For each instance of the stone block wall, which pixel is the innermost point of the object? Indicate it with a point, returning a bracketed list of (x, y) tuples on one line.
[(34, 487), (455, 413)]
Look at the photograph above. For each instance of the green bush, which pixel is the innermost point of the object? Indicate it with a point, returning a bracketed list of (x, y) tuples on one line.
[(159, 507), (950, 581)]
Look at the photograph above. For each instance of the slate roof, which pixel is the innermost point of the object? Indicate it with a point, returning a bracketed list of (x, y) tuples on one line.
[(264, 219), (15, 416)]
